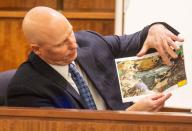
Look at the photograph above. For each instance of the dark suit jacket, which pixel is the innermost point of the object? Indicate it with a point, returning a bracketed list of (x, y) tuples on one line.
[(36, 84)]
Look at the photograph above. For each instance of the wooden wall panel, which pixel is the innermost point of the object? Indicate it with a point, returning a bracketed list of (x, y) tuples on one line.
[(104, 27), (89, 5), (96, 15), (13, 47), (25, 4)]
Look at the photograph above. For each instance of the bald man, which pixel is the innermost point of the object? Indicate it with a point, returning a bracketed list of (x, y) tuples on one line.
[(44, 80)]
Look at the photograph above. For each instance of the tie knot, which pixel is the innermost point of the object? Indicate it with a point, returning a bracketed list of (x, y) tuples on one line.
[(71, 65), (74, 72), (72, 68)]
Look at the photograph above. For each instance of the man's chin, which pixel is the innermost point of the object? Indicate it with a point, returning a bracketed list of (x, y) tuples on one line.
[(74, 57), (67, 62)]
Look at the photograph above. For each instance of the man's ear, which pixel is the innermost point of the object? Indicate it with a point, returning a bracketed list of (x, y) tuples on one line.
[(36, 49)]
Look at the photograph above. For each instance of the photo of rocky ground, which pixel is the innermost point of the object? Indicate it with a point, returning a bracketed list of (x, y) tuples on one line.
[(142, 76)]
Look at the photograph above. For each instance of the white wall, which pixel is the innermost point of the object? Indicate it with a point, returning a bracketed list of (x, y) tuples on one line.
[(139, 13), (119, 17)]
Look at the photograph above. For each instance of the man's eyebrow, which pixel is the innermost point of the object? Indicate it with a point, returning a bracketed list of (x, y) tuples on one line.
[(63, 41)]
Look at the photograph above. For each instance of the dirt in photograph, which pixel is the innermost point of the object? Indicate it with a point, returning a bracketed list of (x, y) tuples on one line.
[(142, 76)]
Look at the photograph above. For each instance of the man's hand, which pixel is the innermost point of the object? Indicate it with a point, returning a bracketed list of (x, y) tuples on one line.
[(163, 40), (151, 103)]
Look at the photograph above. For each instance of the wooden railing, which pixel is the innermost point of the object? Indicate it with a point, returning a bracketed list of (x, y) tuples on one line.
[(44, 119), (69, 15)]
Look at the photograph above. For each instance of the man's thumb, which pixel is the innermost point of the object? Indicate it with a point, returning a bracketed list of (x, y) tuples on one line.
[(142, 51)]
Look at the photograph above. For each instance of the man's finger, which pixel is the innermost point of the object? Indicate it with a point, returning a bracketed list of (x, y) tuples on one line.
[(173, 44), (156, 96), (169, 50), (176, 38), (164, 56), (180, 36), (159, 107), (163, 99), (143, 50)]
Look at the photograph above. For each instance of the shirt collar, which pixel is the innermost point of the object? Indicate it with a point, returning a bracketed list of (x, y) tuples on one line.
[(63, 70)]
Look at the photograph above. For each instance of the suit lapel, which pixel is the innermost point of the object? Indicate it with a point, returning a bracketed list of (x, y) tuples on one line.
[(54, 76), (86, 62)]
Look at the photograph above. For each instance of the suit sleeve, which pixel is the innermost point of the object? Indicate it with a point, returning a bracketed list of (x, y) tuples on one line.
[(19, 97), (130, 45)]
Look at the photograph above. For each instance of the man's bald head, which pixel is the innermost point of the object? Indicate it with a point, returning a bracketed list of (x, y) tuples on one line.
[(43, 24), (50, 35)]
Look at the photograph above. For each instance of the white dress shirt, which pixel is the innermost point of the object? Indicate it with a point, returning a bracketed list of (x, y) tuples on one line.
[(63, 70)]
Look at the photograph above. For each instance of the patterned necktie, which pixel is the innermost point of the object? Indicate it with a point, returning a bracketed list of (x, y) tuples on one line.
[(82, 87)]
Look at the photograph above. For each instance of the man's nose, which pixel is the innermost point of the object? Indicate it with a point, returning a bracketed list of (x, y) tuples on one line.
[(72, 41), (73, 45)]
